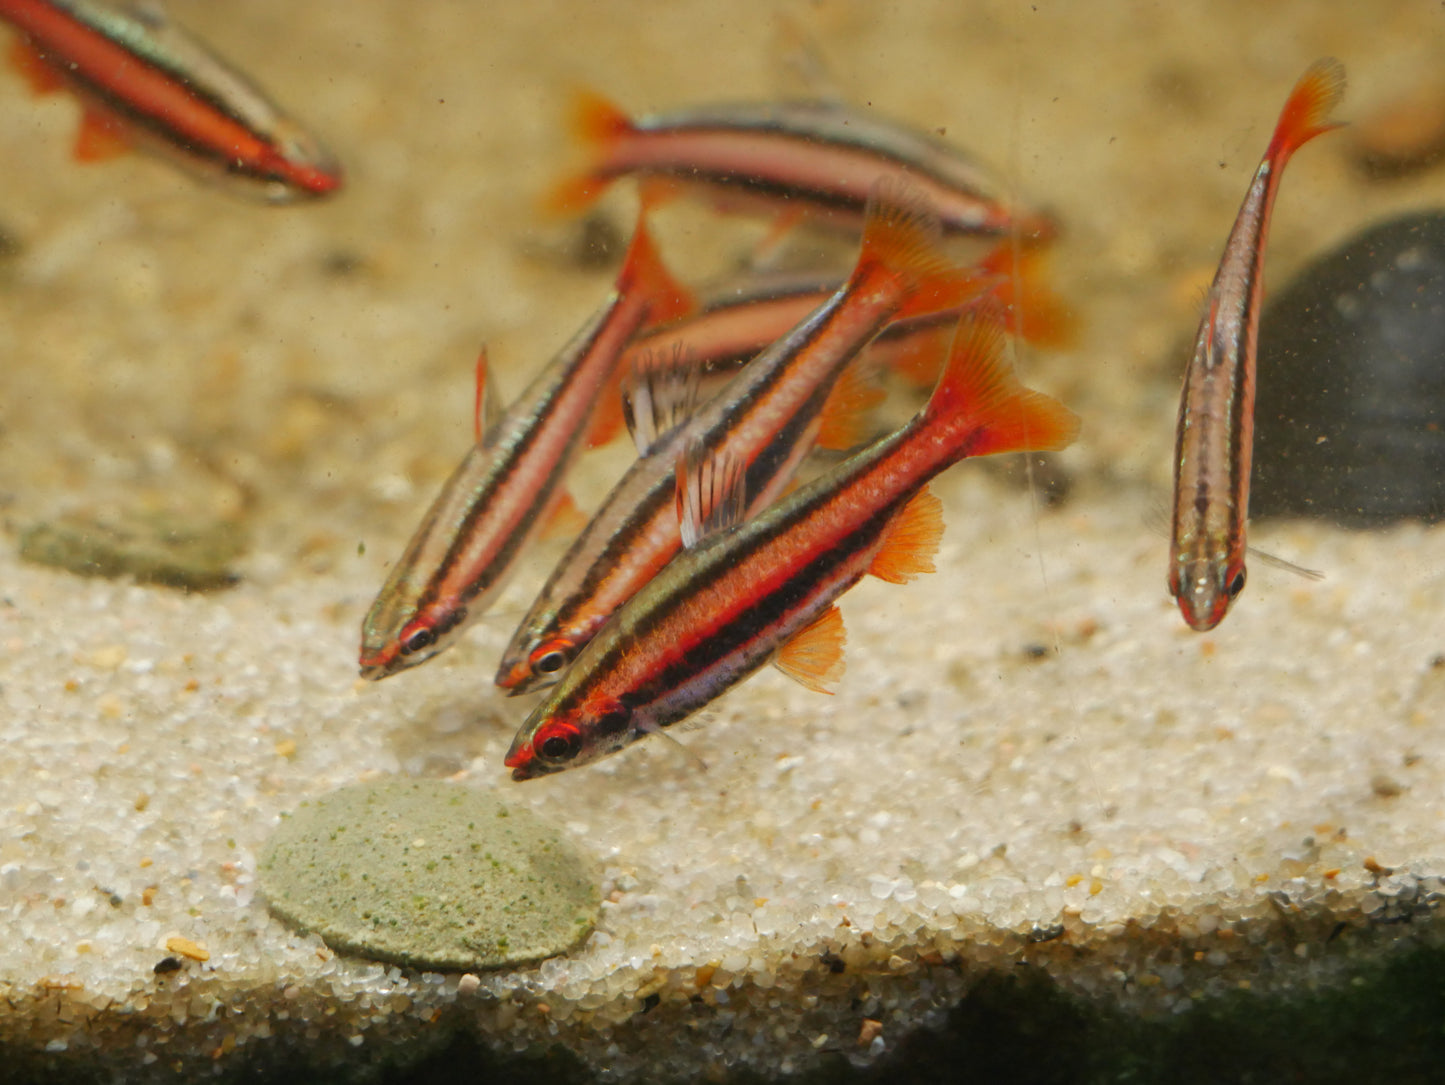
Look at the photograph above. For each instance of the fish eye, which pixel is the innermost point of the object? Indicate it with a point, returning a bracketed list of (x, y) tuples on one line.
[(561, 744), (1236, 585), (549, 658), (417, 640)]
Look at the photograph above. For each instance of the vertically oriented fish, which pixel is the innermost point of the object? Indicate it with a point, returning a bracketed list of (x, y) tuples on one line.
[(765, 419), (142, 79), (811, 159), (1215, 438), (511, 479), (765, 589)]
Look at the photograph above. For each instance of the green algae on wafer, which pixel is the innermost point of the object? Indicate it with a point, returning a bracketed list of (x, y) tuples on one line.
[(430, 875)]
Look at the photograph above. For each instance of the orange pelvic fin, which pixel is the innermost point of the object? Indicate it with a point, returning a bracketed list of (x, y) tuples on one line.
[(1306, 113), (814, 656), (980, 404), (485, 409), (597, 125), (911, 540)]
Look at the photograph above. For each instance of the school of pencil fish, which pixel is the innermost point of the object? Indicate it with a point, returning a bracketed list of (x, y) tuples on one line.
[(705, 562)]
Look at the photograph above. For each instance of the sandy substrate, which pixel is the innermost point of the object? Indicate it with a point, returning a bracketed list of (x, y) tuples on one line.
[(1030, 758)]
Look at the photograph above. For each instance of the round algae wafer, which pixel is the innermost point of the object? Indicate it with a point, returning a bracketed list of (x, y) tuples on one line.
[(429, 874)]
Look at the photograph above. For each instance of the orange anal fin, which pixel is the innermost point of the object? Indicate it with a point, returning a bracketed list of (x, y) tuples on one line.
[(814, 656), (99, 138), (33, 68), (844, 419), (563, 519), (711, 493), (910, 541)]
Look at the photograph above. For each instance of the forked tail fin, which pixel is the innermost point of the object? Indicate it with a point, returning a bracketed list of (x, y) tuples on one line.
[(901, 236), (596, 125), (1307, 111), (979, 406)]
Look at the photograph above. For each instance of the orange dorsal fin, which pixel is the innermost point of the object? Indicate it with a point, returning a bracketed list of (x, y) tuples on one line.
[(644, 272), (38, 75), (100, 137), (1307, 110), (563, 518), (659, 393), (597, 125), (910, 540), (813, 657), (980, 408), (1032, 310), (843, 421), (711, 493)]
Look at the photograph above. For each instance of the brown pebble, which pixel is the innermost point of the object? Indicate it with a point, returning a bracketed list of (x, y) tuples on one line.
[(186, 948), (869, 1031), (1384, 786)]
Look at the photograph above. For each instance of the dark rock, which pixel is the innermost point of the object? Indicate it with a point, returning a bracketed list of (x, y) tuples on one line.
[(1350, 415)]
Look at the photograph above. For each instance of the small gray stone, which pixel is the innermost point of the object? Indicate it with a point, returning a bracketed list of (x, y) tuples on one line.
[(430, 875)]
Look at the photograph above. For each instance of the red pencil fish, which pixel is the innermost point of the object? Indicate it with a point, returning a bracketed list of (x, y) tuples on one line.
[(142, 79), (818, 160), (766, 420), (510, 482), (1215, 440), (765, 589), (739, 320)]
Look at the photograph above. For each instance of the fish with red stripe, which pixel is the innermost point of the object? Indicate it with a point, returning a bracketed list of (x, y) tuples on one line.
[(811, 159), (142, 79), (510, 482), (766, 419), (1214, 446), (765, 590)]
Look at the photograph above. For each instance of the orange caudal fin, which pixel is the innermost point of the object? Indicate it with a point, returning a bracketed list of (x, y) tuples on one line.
[(980, 408), (597, 125), (1306, 113), (814, 656), (901, 236), (1032, 310), (910, 540), (844, 418)]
